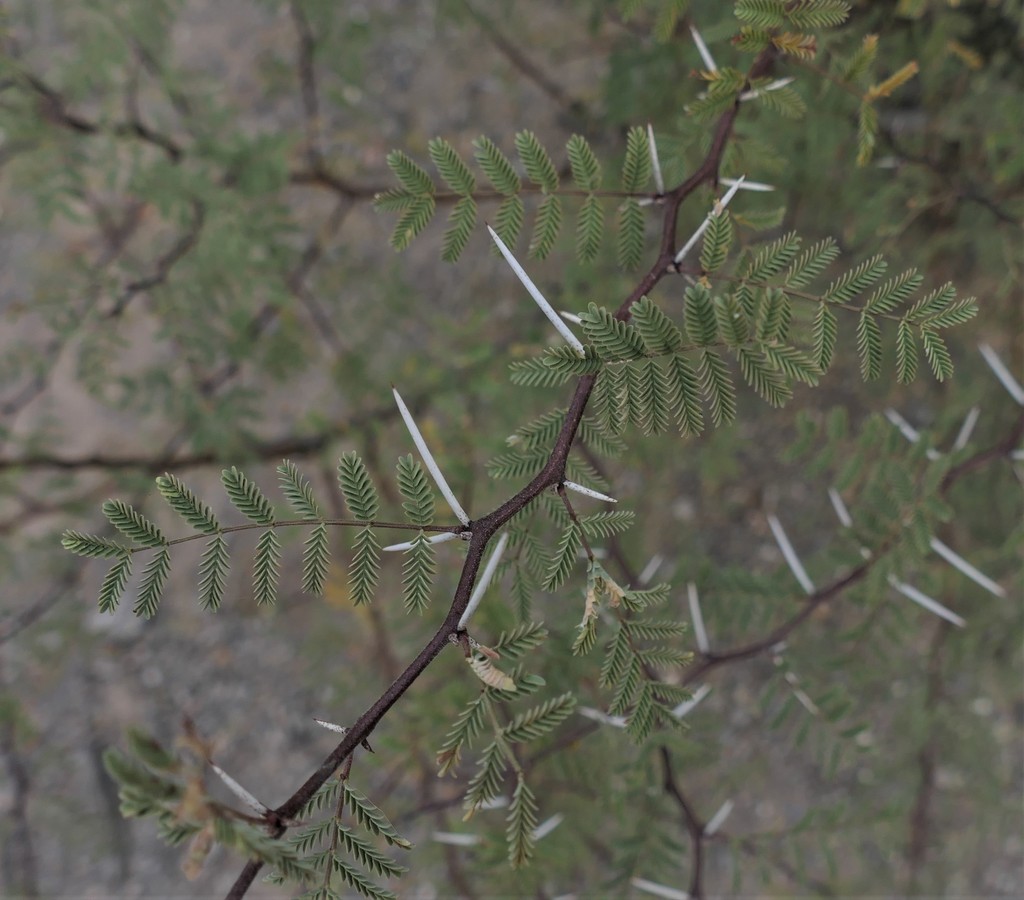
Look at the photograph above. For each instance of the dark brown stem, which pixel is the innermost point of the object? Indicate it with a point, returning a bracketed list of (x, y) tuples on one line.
[(691, 821)]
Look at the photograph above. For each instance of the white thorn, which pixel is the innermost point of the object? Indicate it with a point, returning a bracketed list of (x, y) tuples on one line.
[(428, 459), (588, 492), (648, 573), (967, 429), (605, 719), (538, 297), (455, 839), (330, 726), (842, 513), (659, 182), (771, 86), (686, 707), (659, 890), (240, 792), (749, 185), (702, 49), (801, 694), (909, 431), (698, 619), (547, 826), (718, 207), (789, 554), (571, 317), (442, 538), (958, 562), (718, 819), (1007, 380), (906, 429), (484, 581), (922, 599)]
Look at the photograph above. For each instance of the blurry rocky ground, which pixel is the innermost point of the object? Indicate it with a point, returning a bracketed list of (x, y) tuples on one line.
[(254, 679)]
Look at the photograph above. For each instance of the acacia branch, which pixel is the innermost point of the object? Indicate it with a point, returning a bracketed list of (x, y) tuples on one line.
[(552, 475)]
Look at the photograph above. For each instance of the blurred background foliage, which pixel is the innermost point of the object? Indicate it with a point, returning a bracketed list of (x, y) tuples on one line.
[(193, 276)]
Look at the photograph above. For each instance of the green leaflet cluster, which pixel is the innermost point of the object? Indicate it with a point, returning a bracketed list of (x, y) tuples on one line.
[(246, 496), (651, 372), (343, 854), (636, 653), (417, 197), (170, 788), (498, 757)]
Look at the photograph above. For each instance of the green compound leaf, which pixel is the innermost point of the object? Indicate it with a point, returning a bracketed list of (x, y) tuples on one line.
[(247, 497), (357, 488), (265, 568), (768, 383), (496, 166), (513, 644), (772, 259), (717, 241), (296, 489), (791, 362), (936, 353), (367, 855), (685, 396), (114, 583), (819, 14), (589, 229), (413, 220), (825, 329), (894, 292), (811, 263), (607, 523), (612, 338), (538, 165), (315, 557), (461, 222), (154, 576), (416, 493), (364, 567), (449, 164), (522, 820), (636, 165), (486, 783), (565, 557), (869, 346), (906, 353), (132, 524), (418, 574), (586, 170), (776, 311), (213, 570), (718, 387), (847, 286), (732, 322), (508, 221), (186, 504), (91, 545), (414, 179), (371, 818), (762, 14), (546, 226), (354, 878), (630, 221), (701, 323), (659, 333), (784, 101), (538, 721)]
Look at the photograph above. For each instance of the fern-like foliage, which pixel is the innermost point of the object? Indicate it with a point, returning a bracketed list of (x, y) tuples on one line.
[(248, 499), (652, 371), (417, 197)]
